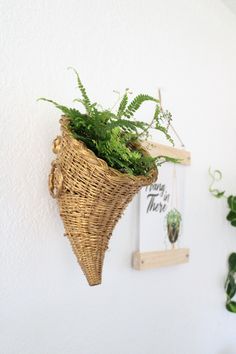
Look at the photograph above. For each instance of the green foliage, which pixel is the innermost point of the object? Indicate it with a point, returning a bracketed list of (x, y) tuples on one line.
[(231, 217), (215, 176), (232, 262), (112, 136), (136, 103), (85, 101), (123, 105), (232, 203), (231, 306), (230, 284)]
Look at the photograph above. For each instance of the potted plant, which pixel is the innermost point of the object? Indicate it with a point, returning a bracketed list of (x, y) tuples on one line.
[(99, 167)]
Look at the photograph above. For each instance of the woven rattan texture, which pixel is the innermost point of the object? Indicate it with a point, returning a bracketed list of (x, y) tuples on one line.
[(91, 197)]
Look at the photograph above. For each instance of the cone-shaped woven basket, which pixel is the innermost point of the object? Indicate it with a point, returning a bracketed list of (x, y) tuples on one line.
[(91, 198)]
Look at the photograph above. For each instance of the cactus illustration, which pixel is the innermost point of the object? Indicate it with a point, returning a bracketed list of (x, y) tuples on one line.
[(173, 221)]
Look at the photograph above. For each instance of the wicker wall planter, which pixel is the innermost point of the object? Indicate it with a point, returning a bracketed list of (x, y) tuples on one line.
[(91, 198)]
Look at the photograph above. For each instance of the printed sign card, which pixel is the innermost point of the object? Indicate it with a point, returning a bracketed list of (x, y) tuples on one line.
[(156, 200), (161, 213)]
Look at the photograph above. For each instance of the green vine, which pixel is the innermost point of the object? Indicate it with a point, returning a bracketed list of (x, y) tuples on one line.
[(112, 135), (230, 284)]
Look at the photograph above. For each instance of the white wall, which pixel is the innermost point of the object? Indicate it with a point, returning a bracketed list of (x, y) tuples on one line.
[(188, 48)]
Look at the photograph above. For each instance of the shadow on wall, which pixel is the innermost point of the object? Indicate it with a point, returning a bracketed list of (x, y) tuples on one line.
[(228, 351)]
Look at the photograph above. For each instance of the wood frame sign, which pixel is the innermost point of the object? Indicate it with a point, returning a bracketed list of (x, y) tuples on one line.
[(161, 212)]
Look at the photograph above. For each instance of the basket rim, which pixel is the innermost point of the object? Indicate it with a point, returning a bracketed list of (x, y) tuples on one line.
[(100, 163)]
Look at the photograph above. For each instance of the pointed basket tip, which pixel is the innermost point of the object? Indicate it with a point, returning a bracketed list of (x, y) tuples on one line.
[(95, 284)]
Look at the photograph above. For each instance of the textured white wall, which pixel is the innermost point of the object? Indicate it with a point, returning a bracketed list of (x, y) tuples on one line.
[(188, 48)]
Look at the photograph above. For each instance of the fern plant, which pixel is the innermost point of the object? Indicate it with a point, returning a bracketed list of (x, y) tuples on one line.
[(112, 136)]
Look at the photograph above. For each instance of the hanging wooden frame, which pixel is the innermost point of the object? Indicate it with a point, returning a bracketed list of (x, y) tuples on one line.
[(148, 257)]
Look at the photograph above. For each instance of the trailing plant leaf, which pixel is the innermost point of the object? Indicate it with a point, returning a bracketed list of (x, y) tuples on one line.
[(231, 306), (232, 203), (232, 218), (232, 262), (216, 176), (230, 286), (219, 194)]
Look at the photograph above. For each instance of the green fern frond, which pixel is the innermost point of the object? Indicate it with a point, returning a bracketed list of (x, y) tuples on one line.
[(70, 112), (127, 125), (163, 159), (136, 103), (113, 137), (86, 101), (157, 113), (123, 104), (106, 116), (83, 138), (165, 132)]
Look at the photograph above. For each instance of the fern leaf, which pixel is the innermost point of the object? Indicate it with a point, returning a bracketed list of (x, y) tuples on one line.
[(67, 111), (86, 102), (136, 103), (163, 159), (165, 132), (127, 125), (156, 113), (122, 105)]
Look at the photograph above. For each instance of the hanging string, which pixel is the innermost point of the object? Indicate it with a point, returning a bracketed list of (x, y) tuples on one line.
[(174, 196), (174, 176), (170, 124)]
